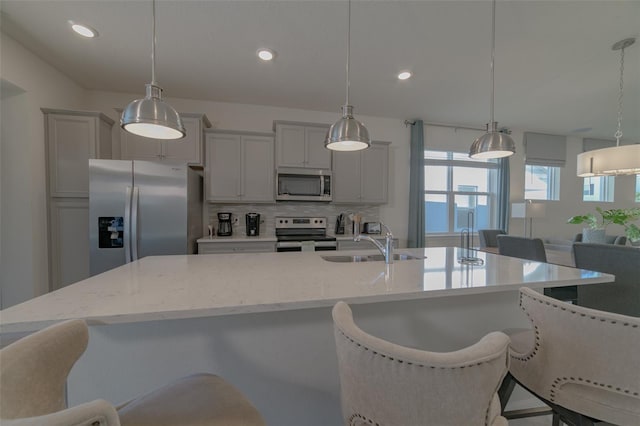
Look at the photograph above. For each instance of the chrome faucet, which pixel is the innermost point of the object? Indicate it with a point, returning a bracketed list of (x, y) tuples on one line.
[(386, 249)]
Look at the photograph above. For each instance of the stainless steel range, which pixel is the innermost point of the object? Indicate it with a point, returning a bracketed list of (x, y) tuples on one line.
[(294, 233)]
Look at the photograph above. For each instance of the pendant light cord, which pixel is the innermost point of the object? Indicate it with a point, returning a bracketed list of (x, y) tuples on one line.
[(348, 47), (618, 134), (493, 49), (153, 45)]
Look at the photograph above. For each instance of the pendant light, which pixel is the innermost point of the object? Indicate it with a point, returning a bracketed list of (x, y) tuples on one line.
[(492, 144), (151, 117), (347, 134), (616, 160)]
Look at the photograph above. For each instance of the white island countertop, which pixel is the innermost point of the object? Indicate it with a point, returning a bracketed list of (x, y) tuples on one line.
[(189, 286)]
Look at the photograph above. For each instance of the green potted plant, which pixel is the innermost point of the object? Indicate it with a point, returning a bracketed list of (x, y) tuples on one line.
[(632, 231), (594, 232)]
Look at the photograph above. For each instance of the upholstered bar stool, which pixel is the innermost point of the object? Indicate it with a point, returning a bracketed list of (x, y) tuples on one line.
[(583, 363), (382, 383), (34, 369)]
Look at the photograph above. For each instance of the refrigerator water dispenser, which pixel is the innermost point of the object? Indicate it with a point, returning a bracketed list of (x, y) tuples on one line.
[(110, 232)]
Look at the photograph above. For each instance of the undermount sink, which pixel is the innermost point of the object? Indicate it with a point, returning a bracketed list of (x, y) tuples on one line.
[(368, 258)]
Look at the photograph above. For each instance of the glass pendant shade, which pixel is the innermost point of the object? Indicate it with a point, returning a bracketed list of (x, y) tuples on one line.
[(151, 117), (347, 134), (616, 160), (492, 144)]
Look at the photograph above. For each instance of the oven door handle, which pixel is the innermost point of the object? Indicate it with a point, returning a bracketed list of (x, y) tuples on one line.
[(326, 244), (288, 244)]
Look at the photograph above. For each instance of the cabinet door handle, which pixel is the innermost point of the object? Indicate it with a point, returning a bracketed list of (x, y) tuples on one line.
[(127, 226)]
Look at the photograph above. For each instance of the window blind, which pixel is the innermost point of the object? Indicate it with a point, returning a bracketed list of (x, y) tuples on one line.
[(545, 150), (591, 144)]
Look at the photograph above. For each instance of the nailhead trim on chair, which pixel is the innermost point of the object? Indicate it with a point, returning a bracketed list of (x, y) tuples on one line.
[(559, 381), (407, 362), (624, 324), (361, 417), (486, 416)]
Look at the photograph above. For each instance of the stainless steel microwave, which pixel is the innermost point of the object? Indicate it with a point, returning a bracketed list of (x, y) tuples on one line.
[(295, 184)]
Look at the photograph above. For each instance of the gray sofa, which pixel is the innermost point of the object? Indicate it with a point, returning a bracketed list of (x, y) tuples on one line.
[(619, 240)]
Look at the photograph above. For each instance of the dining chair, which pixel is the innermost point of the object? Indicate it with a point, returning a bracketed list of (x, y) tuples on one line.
[(489, 237), (382, 383), (533, 249), (523, 248), (582, 362), (621, 296), (33, 373)]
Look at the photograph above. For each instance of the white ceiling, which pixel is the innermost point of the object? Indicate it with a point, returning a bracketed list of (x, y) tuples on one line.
[(554, 68)]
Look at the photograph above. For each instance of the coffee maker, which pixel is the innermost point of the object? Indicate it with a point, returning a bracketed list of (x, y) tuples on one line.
[(253, 224), (224, 225)]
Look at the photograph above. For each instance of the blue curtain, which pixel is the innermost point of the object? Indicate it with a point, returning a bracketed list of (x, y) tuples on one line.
[(415, 236), (503, 195)]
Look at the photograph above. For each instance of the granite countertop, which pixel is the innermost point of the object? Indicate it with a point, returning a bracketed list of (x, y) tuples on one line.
[(189, 286)]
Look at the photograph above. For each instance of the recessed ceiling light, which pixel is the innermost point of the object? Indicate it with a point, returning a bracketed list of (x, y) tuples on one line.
[(266, 54), (83, 30), (404, 75)]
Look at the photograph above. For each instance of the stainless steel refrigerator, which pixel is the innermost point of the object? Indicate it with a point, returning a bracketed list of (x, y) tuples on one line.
[(141, 208)]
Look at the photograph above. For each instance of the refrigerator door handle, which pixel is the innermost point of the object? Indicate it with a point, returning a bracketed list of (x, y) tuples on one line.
[(127, 226), (134, 223)]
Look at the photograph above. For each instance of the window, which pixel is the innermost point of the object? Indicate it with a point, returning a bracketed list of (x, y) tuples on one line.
[(598, 188), (541, 182), (457, 187), (637, 188)]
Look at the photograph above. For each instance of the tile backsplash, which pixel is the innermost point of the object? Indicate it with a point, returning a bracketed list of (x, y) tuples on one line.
[(370, 213)]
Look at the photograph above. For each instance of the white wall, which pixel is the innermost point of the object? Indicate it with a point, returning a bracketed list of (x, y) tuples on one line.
[(24, 252)]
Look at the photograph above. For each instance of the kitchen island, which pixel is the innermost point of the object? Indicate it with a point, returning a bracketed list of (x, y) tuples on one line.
[(263, 321)]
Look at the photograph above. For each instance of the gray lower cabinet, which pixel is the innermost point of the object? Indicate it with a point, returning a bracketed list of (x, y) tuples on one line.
[(69, 241), (217, 247), (362, 176), (362, 245), (239, 167), (188, 149)]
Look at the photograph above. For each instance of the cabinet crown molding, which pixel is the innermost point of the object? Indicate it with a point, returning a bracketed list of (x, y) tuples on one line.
[(97, 114)]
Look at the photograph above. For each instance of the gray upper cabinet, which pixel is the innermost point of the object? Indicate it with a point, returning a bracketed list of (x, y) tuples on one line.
[(72, 138), (239, 167), (189, 149), (301, 145), (362, 176)]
